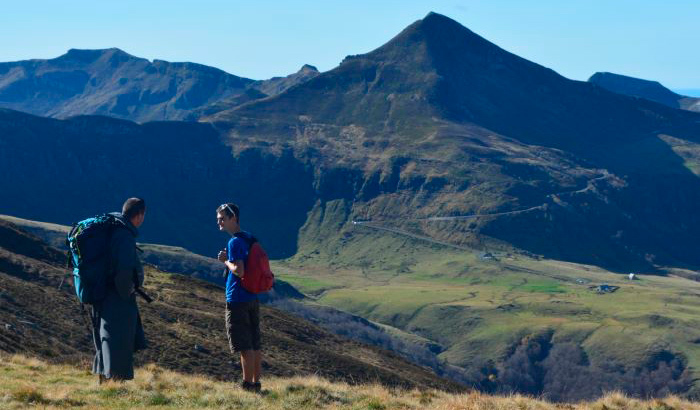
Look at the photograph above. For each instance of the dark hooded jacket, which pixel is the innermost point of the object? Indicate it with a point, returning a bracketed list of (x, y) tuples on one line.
[(118, 330)]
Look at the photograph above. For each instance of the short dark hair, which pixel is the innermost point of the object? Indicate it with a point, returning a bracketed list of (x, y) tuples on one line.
[(133, 207), (229, 210)]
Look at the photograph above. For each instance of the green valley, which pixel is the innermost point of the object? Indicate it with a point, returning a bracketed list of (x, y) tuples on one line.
[(478, 305)]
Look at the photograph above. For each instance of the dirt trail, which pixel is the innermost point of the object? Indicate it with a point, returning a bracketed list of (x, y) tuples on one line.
[(374, 224)]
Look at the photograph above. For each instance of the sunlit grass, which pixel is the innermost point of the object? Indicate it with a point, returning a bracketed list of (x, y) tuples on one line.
[(30, 383)]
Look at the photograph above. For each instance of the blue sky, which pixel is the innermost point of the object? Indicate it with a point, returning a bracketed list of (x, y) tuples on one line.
[(260, 39)]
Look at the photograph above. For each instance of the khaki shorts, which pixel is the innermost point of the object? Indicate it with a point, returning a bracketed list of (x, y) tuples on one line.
[(243, 325)]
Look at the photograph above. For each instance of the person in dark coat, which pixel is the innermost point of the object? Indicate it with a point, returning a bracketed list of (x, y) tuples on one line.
[(118, 330)]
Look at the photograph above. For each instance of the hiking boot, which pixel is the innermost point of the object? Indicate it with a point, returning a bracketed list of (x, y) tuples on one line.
[(258, 387), (248, 386)]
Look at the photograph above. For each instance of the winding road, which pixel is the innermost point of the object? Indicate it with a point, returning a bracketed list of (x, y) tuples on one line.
[(374, 224)]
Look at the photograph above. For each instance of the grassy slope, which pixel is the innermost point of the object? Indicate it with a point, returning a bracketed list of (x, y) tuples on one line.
[(30, 382), (41, 317), (477, 308)]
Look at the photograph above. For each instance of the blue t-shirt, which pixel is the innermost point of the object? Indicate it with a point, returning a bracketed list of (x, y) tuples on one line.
[(237, 250)]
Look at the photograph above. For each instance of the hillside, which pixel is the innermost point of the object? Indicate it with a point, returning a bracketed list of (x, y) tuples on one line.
[(651, 90), (485, 313), (540, 326), (283, 296), (32, 382), (181, 169), (41, 317)]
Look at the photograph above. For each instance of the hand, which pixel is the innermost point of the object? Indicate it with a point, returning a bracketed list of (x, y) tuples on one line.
[(223, 256)]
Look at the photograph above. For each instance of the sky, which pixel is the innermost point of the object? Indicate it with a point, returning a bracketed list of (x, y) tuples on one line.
[(260, 39)]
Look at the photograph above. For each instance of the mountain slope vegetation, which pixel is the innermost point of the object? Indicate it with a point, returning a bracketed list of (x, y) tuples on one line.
[(500, 322), (184, 325)]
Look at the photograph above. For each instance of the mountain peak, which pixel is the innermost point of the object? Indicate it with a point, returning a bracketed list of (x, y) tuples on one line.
[(607, 77), (91, 55), (438, 24), (636, 87), (308, 68), (439, 36), (438, 18)]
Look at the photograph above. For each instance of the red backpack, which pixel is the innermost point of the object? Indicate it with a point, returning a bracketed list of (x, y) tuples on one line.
[(258, 277)]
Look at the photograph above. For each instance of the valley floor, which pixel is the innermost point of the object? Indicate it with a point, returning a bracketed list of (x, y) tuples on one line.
[(479, 306), (28, 382)]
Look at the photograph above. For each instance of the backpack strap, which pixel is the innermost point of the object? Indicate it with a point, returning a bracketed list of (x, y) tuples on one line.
[(114, 224), (249, 240)]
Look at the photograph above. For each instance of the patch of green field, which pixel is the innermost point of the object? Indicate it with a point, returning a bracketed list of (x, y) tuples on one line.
[(478, 308), (306, 284), (388, 304)]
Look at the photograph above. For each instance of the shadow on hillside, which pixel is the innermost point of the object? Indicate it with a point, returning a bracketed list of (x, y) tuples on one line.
[(90, 165)]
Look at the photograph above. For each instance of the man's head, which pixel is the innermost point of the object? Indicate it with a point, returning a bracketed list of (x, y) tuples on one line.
[(134, 210), (228, 218)]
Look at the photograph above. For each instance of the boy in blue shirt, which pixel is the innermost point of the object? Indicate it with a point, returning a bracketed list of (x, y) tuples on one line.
[(242, 307)]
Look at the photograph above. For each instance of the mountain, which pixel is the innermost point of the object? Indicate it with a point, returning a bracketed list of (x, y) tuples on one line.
[(41, 317), (439, 122), (112, 82), (651, 90)]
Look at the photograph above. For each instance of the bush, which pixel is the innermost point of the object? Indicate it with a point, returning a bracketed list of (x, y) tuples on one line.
[(562, 372)]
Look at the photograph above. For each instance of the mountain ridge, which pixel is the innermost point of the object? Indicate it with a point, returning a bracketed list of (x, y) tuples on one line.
[(650, 90), (115, 83)]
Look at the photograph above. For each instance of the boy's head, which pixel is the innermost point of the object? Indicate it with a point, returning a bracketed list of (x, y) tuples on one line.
[(228, 218), (134, 210)]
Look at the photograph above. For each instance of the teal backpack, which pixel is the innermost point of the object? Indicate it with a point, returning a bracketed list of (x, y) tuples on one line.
[(89, 251)]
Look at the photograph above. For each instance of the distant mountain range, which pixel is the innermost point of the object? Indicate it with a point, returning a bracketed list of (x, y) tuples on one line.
[(436, 123), (115, 83), (651, 90)]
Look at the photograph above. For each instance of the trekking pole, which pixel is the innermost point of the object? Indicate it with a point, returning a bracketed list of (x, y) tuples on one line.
[(144, 295)]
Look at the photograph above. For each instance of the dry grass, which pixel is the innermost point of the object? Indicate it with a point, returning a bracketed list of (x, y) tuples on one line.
[(28, 382)]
